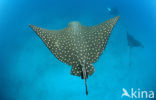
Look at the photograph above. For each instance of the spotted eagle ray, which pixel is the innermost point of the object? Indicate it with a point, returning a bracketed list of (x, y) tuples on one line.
[(77, 45), (132, 42)]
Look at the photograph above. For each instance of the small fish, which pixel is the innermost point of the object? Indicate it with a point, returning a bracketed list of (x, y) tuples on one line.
[(113, 11), (77, 45)]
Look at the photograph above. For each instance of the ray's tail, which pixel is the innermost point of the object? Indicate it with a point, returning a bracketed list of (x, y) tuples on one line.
[(86, 87)]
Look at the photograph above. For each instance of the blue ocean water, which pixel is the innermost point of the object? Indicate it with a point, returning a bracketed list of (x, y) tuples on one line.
[(28, 70)]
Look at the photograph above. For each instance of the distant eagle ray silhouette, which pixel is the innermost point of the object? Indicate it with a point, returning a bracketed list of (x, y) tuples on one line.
[(77, 45), (132, 42)]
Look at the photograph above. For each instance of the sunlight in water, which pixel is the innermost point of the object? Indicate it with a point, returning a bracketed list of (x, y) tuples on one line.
[(126, 68)]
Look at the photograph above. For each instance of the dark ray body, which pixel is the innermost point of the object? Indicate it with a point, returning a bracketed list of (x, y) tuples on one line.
[(77, 45), (132, 42)]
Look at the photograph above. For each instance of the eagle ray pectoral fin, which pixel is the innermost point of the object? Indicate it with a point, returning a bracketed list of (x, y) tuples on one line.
[(98, 38)]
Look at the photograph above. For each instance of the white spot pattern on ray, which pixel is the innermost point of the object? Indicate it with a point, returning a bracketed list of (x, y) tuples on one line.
[(77, 44), (96, 38)]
